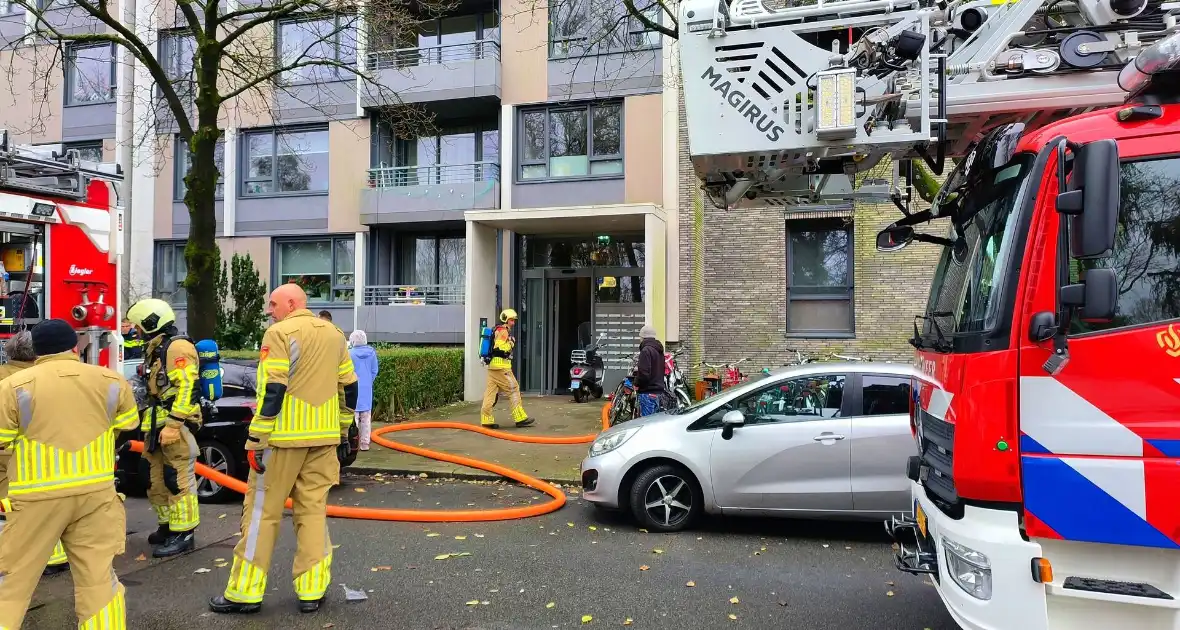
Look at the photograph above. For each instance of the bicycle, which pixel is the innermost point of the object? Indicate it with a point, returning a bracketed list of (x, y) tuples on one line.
[(623, 405), (718, 381), (803, 359)]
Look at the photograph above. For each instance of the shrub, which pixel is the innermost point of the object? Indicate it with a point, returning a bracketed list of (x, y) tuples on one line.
[(409, 378), (241, 316)]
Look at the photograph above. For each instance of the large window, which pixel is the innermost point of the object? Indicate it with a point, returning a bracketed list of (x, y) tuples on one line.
[(429, 259), (332, 39), (591, 27), (90, 74), (177, 51), (285, 161), (89, 151), (819, 278), (806, 399), (455, 154), (571, 141), (1146, 254), (171, 271), (322, 267), (182, 166)]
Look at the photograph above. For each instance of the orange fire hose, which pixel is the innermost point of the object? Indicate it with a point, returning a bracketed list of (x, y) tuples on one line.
[(442, 516)]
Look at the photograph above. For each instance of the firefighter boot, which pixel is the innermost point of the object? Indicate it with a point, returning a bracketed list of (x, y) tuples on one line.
[(311, 606), (160, 536), (222, 606), (177, 543)]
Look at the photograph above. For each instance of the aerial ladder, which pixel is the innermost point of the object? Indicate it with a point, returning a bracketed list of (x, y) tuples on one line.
[(812, 94)]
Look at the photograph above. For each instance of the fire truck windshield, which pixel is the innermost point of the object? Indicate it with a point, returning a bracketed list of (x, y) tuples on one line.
[(970, 277)]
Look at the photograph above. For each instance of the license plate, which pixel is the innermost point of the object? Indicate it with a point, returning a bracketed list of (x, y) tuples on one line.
[(575, 384), (921, 518)]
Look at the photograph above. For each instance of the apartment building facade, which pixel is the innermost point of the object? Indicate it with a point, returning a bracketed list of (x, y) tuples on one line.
[(555, 181)]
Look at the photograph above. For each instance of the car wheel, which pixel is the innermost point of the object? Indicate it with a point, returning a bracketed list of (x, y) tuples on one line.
[(665, 498), (217, 456)]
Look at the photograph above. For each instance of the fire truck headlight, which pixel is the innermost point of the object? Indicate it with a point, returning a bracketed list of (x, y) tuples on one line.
[(970, 569), (835, 92)]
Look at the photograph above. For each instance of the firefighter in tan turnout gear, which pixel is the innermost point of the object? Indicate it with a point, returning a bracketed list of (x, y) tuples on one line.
[(307, 391), (19, 350), (58, 419), (172, 417), (500, 376)]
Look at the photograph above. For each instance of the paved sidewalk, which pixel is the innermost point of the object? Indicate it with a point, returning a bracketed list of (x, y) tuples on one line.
[(556, 415)]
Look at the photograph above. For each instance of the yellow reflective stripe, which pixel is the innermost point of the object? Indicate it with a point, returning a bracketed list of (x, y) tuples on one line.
[(313, 583), (8, 435), (186, 381), (163, 512), (262, 425), (299, 420), (247, 583), (40, 467), (59, 555), (345, 368), (184, 514), (127, 420), (113, 616)]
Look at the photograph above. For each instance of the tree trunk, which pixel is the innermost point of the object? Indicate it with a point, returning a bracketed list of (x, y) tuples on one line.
[(201, 254)]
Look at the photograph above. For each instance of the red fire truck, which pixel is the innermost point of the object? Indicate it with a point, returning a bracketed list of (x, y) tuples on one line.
[(1048, 420), (60, 244)]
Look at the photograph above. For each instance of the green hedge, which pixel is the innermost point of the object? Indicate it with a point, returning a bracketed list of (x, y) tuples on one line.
[(408, 379)]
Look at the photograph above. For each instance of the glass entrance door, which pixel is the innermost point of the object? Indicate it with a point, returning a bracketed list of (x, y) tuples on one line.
[(533, 337)]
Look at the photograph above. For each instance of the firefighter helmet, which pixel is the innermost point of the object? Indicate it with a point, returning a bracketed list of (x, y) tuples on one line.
[(152, 315), (507, 314)]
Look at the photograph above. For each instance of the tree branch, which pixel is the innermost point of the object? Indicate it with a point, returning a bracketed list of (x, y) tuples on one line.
[(648, 23)]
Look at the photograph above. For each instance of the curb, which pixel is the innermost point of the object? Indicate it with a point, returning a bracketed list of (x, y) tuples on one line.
[(475, 476)]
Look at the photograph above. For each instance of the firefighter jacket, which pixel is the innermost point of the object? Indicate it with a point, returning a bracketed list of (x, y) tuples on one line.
[(6, 370), (307, 388), (172, 384), (132, 346), (59, 419), (502, 346), (12, 367)]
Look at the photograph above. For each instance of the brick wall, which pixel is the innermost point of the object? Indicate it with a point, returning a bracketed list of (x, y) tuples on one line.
[(733, 299)]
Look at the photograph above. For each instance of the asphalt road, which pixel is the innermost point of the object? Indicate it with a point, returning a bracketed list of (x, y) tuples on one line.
[(547, 572)]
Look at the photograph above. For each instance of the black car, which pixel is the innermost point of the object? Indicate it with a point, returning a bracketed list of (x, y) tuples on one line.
[(221, 440)]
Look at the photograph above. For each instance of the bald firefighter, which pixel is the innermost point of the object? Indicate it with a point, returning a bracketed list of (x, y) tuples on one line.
[(19, 350), (59, 419), (307, 391), (500, 376), (172, 417)]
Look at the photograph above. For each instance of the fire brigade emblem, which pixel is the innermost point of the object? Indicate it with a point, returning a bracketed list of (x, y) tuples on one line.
[(180, 363), (1169, 340), (263, 353)]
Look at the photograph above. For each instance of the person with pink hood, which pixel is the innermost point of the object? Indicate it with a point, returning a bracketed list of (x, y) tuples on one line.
[(364, 360)]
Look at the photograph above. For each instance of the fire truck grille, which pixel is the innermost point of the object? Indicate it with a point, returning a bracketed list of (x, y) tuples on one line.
[(936, 449)]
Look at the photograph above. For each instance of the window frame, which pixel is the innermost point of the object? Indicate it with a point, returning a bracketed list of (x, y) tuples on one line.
[(625, 30), (436, 237), (833, 224), (860, 408), (277, 273), (9, 9), (157, 258), (85, 144), (69, 82), (169, 51), (548, 110), (242, 156), (180, 148), (281, 78)]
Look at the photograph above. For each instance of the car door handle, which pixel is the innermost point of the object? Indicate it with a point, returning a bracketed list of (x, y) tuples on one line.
[(828, 437)]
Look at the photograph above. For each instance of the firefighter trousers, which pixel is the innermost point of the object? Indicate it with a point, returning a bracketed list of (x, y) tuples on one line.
[(92, 528), (58, 557), (173, 490), (501, 381), (305, 474)]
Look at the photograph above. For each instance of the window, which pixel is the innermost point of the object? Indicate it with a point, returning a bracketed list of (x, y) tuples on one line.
[(322, 267), (285, 161), (90, 74), (428, 259), (885, 395), (7, 7), (1146, 254), (819, 277), (171, 271), (818, 397), (456, 154), (332, 39), (177, 51), (88, 151), (182, 166), (581, 141), (591, 27)]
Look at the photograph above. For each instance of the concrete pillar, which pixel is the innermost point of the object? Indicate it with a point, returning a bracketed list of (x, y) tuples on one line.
[(359, 264), (479, 300), (671, 180), (229, 202), (655, 274), (140, 256)]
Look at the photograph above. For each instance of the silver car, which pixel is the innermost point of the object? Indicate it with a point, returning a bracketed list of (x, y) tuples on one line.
[(817, 440)]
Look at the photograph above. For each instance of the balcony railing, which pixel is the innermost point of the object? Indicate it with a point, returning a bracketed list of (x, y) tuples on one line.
[(433, 174), (414, 294), (433, 55)]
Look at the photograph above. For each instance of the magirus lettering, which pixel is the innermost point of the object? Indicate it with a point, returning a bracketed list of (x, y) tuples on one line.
[(739, 101)]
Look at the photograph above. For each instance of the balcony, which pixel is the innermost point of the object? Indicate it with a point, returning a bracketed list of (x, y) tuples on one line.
[(424, 313), (467, 71), (438, 192)]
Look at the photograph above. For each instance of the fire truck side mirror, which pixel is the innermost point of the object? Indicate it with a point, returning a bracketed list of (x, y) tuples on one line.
[(894, 238), (1095, 298), (1091, 200)]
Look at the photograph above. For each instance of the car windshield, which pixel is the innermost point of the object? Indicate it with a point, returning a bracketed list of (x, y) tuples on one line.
[(968, 282), (753, 382)]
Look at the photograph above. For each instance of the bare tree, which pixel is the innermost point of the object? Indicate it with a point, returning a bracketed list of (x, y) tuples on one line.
[(207, 59)]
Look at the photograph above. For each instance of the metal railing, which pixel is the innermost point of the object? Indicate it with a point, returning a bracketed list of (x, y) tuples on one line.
[(402, 176), (413, 294), (433, 55)]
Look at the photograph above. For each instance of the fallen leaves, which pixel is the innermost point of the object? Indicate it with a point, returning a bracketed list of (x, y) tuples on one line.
[(888, 593), (433, 535), (460, 538), (474, 602), (732, 617), (657, 551), (448, 556), (642, 531), (569, 524), (691, 584), (479, 535), (587, 618), (221, 516), (734, 600), (359, 490), (593, 528), (627, 621), (140, 558), (202, 570), (644, 568), (381, 568), (550, 604)]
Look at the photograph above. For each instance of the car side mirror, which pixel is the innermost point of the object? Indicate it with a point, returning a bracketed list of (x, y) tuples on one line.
[(730, 421), (1095, 298), (894, 238), (1091, 199)]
